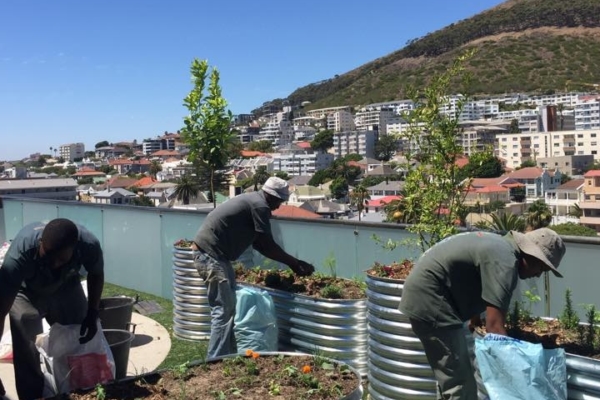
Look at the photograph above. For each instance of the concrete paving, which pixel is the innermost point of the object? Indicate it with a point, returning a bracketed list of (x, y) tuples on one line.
[(148, 350)]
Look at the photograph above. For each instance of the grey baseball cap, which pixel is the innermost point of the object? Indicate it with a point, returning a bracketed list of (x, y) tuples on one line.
[(277, 187)]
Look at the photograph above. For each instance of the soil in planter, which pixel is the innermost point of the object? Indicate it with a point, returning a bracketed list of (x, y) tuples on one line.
[(396, 270), (252, 377), (316, 285), (550, 335), (183, 243)]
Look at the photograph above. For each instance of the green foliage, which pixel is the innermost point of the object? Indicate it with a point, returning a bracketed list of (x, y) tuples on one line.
[(264, 146), (283, 175), (527, 164), (322, 141), (187, 188), (591, 331), (505, 222), (483, 164), (339, 188), (320, 177), (352, 157), (155, 168), (143, 201), (435, 186), (568, 319), (576, 211), (207, 129), (573, 229), (103, 143), (260, 176), (386, 147), (359, 197), (538, 215), (331, 291), (331, 264)]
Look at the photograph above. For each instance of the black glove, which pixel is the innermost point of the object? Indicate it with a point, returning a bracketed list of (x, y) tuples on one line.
[(2, 391), (303, 268), (89, 328)]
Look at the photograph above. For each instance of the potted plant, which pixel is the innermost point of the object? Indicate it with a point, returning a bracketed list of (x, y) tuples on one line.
[(191, 312), (323, 313), (248, 376), (581, 341)]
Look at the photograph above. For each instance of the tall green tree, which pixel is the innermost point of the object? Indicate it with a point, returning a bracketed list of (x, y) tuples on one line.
[(219, 180), (386, 147), (187, 188), (264, 146), (483, 164), (260, 176), (514, 126), (155, 168), (322, 141), (207, 130), (339, 188), (435, 186)]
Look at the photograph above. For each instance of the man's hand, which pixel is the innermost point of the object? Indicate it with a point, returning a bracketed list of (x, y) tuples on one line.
[(303, 268), (89, 328)]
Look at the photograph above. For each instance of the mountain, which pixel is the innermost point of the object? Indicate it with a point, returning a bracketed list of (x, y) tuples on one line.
[(538, 46)]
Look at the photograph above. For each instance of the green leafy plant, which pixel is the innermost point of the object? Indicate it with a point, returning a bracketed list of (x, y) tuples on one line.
[(591, 329), (569, 318), (331, 264), (100, 392), (332, 291)]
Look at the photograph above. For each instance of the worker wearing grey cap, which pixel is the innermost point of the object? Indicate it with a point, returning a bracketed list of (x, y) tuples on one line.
[(226, 233), (458, 279)]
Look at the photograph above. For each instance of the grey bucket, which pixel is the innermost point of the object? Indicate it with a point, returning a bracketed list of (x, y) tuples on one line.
[(119, 342), (115, 312)]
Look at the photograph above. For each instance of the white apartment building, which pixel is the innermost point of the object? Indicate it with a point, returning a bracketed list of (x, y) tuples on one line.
[(587, 113), (370, 119), (471, 110), (150, 146), (340, 121), (72, 151), (304, 132), (295, 160), (278, 130), (399, 106), (322, 113), (354, 142), (518, 147), (476, 136)]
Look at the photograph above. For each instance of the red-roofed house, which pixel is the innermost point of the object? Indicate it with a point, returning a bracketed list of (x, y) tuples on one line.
[(591, 200), (130, 166), (378, 204), (88, 172), (294, 212), (164, 154), (304, 145), (147, 180), (251, 154)]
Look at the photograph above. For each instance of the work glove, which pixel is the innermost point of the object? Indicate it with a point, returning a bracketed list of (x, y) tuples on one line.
[(89, 326), (303, 268), (2, 391)]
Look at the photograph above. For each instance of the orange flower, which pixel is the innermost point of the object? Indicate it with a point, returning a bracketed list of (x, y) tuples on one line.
[(255, 355), (249, 353), (306, 369)]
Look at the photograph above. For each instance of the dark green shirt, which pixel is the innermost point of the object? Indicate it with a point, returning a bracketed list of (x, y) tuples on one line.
[(453, 280), (23, 268), (232, 227)]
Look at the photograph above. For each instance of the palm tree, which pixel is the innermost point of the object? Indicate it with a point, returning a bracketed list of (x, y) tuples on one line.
[(186, 189), (51, 148), (359, 197), (260, 177), (507, 222), (155, 168), (575, 211), (538, 215)]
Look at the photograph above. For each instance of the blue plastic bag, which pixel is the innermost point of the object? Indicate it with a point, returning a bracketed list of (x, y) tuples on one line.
[(255, 321), (512, 369)]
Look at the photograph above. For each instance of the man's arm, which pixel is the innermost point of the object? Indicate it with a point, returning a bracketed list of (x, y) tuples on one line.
[(494, 320), (95, 285), (266, 245)]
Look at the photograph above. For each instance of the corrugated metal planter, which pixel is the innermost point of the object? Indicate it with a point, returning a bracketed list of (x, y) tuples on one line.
[(583, 374), (191, 312), (336, 328), (398, 367)]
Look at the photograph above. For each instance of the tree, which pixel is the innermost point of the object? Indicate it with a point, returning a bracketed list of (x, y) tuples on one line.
[(235, 148), (207, 127), (155, 168), (264, 146), (386, 147), (564, 178), (260, 176), (283, 175), (86, 180), (507, 222), (527, 164), (322, 141), (319, 177), (483, 164), (187, 188), (220, 179), (339, 188), (143, 201), (576, 211), (352, 157), (435, 186), (103, 143), (514, 126), (359, 198), (538, 215)]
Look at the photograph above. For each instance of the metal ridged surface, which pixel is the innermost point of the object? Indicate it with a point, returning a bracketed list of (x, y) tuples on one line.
[(398, 367), (336, 328), (583, 378), (191, 312)]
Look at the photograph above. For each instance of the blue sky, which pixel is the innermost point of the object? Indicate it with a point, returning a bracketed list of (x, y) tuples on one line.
[(91, 70)]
